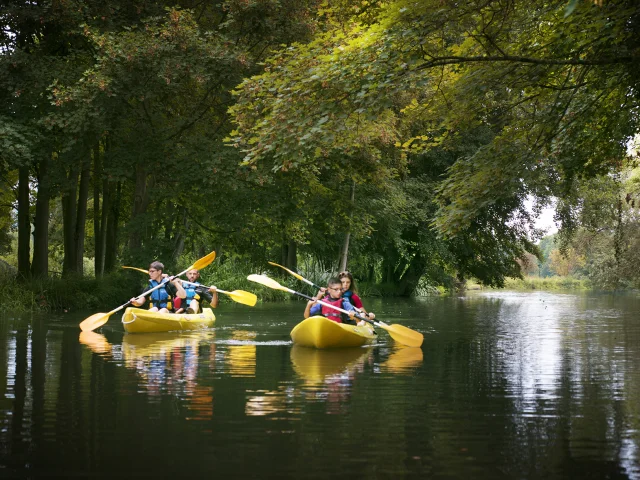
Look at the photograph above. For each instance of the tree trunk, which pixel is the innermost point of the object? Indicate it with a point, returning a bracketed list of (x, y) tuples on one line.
[(292, 256), (409, 280), (344, 254), (140, 203), (69, 223), (98, 256), (111, 235), (180, 236), (81, 216), (24, 223), (40, 264), (284, 253)]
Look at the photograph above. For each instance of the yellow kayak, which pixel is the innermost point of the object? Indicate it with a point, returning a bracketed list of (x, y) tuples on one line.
[(139, 320), (320, 332)]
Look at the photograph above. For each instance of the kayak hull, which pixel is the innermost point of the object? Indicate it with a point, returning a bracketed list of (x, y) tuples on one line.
[(320, 332), (139, 320)]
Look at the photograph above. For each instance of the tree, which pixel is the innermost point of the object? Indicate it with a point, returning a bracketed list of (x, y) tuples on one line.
[(548, 97)]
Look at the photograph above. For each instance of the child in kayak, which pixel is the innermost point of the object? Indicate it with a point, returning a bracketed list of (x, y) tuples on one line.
[(332, 294), (349, 292)]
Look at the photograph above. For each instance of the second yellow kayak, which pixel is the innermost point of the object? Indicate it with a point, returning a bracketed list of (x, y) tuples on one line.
[(320, 332)]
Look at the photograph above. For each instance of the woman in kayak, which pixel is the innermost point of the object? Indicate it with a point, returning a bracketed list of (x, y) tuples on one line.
[(349, 292)]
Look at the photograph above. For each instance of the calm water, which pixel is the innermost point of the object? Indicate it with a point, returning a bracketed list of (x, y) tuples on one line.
[(507, 385)]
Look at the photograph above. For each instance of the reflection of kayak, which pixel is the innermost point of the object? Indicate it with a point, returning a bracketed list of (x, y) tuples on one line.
[(314, 365), (154, 345), (139, 320), (402, 359), (320, 332)]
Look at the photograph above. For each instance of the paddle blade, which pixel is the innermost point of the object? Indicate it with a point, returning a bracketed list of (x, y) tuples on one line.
[(299, 277), (138, 269), (403, 334), (94, 321), (204, 261), (266, 281), (246, 298)]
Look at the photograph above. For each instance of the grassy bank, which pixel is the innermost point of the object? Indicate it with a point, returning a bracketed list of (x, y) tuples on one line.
[(69, 294), (548, 283)]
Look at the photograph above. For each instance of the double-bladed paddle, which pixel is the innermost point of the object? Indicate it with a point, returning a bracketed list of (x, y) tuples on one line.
[(98, 319), (240, 296), (399, 333)]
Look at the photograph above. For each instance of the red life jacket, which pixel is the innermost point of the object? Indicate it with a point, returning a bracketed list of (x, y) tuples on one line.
[(332, 313)]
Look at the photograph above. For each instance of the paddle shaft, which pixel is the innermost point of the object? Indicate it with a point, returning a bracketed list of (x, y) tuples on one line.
[(357, 315)]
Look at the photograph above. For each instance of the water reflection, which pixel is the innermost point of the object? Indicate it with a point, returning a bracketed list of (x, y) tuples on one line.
[(507, 385), (241, 354), (319, 367), (403, 360)]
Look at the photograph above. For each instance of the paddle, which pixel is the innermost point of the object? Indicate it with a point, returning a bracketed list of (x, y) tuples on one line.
[(98, 319), (138, 269), (297, 275), (300, 277), (399, 333), (240, 296)]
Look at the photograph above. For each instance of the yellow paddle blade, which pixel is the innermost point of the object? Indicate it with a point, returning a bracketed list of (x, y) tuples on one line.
[(138, 269), (298, 276), (204, 261), (94, 321), (403, 334), (240, 296), (267, 282)]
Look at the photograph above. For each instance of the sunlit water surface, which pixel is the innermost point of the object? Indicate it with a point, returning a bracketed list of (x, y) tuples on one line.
[(506, 385)]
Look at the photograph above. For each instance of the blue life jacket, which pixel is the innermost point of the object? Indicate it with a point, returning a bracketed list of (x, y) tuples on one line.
[(159, 298), (190, 288)]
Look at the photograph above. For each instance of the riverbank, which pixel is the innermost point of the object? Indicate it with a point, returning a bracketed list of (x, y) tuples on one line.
[(109, 291)]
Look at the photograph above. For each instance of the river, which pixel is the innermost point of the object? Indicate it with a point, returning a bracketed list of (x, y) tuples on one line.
[(507, 385)]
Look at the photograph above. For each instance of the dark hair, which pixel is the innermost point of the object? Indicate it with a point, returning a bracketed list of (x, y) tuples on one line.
[(348, 275), (333, 281), (156, 266)]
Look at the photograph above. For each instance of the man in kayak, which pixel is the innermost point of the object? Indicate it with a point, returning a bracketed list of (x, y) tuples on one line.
[(161, 299), (195, 293), (332, 294)]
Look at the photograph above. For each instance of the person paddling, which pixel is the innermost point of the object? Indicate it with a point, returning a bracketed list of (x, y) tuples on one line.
[(332, 294), (161, 299), (196, 292), (349, 292)]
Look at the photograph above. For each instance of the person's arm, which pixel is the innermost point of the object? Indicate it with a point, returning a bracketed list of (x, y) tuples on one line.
[(213, 301), (348, 306), (355, 299), (140, 299), (174, 288), (312, 307)]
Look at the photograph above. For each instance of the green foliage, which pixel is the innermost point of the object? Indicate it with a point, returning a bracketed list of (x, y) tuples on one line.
[(548, 283), (70, 294)]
